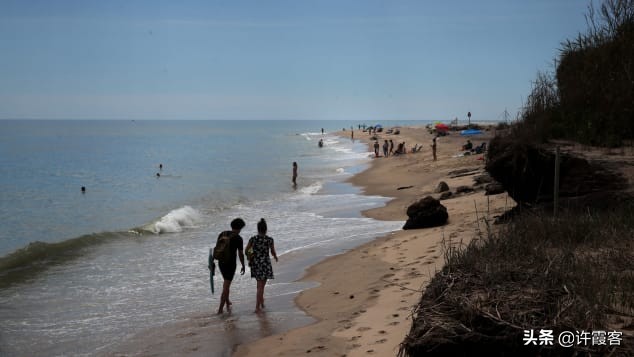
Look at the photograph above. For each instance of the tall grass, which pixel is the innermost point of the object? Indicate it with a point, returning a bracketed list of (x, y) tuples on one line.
[(572, 273), (590, 96)]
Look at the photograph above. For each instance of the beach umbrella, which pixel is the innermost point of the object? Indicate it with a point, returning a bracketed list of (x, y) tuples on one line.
[(442, 127), (378, 126)]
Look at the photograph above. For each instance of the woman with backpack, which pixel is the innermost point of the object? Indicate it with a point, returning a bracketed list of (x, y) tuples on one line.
[(258, 250)]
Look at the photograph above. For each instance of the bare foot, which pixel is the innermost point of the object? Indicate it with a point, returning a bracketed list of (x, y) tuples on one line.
[(258, 311), (219, 312)]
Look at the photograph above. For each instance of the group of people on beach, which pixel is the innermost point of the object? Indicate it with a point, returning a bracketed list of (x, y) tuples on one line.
[(388, 148), (258, 251)]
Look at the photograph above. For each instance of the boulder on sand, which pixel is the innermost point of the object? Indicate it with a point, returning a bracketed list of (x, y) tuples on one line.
[(442, 187), (425, 213)]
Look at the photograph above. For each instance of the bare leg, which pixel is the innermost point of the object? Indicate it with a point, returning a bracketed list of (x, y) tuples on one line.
[(259, 304), (224, 298)]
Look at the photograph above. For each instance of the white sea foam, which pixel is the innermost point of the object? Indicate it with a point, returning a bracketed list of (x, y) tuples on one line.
[(340, 170), (312, 189), (175, 221)]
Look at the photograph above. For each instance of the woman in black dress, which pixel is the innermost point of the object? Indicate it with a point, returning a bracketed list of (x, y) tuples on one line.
[(258, 250)]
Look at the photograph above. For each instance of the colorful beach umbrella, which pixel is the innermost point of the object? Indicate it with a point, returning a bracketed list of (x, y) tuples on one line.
[(442, 127)]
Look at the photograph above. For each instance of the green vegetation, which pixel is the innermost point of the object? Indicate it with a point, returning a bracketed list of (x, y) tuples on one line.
[(590, 97)]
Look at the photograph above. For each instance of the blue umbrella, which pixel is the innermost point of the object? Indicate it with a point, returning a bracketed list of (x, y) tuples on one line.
[(378, 126)]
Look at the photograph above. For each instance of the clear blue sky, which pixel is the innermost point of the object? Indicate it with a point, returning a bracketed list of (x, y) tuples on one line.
[(295, 59)]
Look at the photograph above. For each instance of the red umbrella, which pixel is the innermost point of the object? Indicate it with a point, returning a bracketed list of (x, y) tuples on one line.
[(442, 127)]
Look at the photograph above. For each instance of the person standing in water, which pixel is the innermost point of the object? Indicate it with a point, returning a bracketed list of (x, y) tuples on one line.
[(294, 173), (258, 250), (232, 247)]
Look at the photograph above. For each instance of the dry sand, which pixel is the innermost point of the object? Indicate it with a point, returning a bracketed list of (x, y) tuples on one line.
[(366, 296)]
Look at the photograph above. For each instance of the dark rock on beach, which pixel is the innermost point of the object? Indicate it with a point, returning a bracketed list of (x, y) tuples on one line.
[(445, 195), (464, 189), (494, 189), (442, 187), (427, 212)]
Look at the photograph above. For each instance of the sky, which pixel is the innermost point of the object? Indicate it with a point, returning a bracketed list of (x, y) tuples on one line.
[(295, 59)]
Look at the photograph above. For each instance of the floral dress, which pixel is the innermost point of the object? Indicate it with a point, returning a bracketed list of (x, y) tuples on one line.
[(261, 268)]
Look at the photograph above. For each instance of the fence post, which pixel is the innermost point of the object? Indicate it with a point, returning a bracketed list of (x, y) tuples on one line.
[(556, 184)]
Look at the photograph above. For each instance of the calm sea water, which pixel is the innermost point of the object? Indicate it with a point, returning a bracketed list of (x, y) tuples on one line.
[(80, 272)]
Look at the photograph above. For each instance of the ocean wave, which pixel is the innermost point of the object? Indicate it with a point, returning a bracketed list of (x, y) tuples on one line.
[(311, 189), (37, 256), (175, 221)]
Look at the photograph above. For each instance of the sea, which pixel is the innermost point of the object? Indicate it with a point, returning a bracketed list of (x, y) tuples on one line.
[(82, 271)]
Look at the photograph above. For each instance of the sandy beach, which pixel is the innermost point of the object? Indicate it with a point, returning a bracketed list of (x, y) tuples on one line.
[(366, 296)]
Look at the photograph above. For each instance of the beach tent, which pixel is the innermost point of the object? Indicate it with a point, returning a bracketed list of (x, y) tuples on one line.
[(471, 132)]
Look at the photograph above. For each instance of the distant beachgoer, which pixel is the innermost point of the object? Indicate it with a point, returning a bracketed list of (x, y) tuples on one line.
[(376, 148), (227, 264), (83, 189), (391, 147), (258, 250), (294, 173), (322, 131), (386, 148), (433, 147), (351, 134), (160, 166), (158, 175)]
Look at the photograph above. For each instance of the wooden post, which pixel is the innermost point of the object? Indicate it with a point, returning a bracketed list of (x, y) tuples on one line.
[(556, 184)]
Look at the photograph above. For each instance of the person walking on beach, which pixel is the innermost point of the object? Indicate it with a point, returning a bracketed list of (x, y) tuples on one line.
[(376, 148), (258, 250), (294, 173), (433, 147), (386, 147), (229, 245), (391, 147)]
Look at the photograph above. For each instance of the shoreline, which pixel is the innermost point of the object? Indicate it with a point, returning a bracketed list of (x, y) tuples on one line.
[(368, 309)]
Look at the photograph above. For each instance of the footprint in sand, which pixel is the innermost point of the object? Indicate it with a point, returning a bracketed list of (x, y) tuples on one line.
[(403, 308), (361, 329), (383, 340), (394, 323), (382, 332)]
